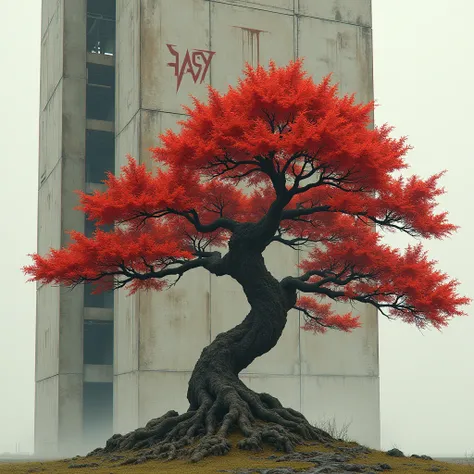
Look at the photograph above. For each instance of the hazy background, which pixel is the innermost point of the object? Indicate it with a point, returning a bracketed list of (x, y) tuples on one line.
[(423, 53)]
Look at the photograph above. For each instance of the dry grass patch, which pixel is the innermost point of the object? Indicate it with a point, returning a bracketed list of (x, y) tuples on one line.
[(233, 461)]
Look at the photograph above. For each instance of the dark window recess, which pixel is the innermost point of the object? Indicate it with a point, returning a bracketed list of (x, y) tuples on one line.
[(100, 97), (98, 342), (102, 300), (90, 228), (101, 27), (98, 74), (97, 412), (100, 155), (104, 8)]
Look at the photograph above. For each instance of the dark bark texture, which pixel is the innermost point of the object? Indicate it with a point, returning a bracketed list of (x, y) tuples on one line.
[(218, 400)]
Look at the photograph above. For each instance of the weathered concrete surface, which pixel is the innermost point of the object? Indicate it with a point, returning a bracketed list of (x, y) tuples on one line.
[(357, 12), (58, 414), (158, 337)]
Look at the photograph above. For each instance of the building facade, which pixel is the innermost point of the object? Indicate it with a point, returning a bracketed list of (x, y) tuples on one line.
[(114, 75)]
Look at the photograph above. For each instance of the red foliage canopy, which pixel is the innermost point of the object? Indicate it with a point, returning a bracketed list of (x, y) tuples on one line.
[(282, 151)]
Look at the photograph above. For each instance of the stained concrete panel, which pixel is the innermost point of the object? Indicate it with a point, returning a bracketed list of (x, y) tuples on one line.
[(357, 12), (46, 416), (49, 208), (284, 387), (127, 142), (175, 324), (50, 145), (73, 175), (346, 400), (127, 75), (126, 332), (342, 49), (48, 10), (71, 325), (340, 353), (74, 37), (160, 392), (121, 8), (51, 57), (70, 413), (125, 402), (153, 123), (162, 26), (47, 332), (74, 124), (241, 35)]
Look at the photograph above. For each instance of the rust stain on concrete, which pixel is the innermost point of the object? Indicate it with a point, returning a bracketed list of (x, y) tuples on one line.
[(251, 45)]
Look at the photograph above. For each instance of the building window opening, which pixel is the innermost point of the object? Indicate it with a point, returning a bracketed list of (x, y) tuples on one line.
[(101, 300), (101, 27), (100, 155), (98, 342), (97, 413), (100, 99)]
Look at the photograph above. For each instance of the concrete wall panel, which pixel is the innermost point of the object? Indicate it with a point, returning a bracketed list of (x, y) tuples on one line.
[(51, 56), (71, 325), (75, 34), (341, 353), (125, 402), (357, 12), (48, 10), (121, 8), (162, 26), (73, 175), (126, 332), (353, 401), (127, 142), (46, 416), (284, 387), (49, 208), (50, 144), (153, 123), (175, 324), (342, 49), (47, 332), (160, 392), (74, 124), (127, 64), (240, 35), (70, 414)]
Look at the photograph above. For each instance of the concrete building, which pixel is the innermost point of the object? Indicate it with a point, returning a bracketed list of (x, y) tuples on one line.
[(113, 76)]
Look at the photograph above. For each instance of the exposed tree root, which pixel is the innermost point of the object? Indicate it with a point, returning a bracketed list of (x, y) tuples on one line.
[(204, 432)]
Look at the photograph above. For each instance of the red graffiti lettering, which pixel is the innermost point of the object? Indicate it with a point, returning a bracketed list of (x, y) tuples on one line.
[(196, 63)]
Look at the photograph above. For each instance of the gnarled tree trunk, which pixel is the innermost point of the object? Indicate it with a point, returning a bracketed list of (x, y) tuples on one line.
[(218, 399)]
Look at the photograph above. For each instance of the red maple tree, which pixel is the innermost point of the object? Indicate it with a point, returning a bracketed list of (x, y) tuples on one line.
[(277, 159)]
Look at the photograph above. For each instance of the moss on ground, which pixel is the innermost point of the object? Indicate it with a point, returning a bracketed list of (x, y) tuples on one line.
[(235, 460)]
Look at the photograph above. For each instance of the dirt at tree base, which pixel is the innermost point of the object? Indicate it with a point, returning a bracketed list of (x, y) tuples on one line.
[(314, 458)]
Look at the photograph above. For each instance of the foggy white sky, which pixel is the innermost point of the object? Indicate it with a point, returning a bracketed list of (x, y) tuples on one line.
[(423, 52)]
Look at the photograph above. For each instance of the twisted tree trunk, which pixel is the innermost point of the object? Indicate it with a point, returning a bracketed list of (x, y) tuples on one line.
[(218, 399)]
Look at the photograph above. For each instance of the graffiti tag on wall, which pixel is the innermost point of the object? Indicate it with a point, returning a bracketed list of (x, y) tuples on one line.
[(195, 63)]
